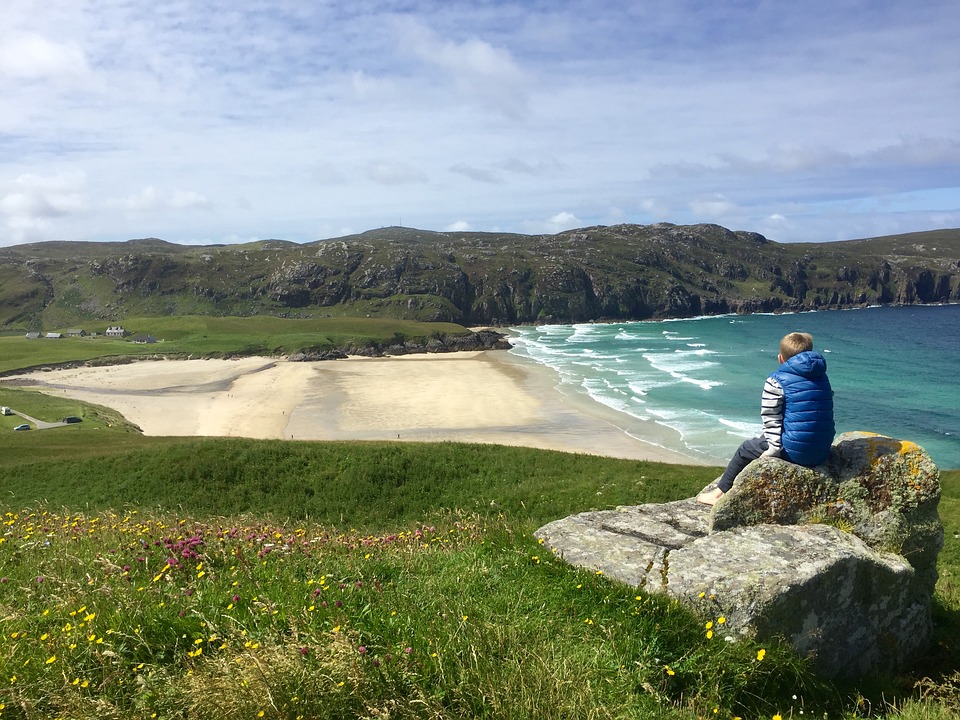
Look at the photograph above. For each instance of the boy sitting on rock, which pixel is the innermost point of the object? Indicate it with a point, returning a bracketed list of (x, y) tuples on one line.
[(796, 407)]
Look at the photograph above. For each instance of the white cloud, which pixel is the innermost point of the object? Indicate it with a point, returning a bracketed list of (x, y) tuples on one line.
[(458, 226), (712, 208), (152, 200), (562, 221), (31, 205), (188, 200), (29, 56), (332, 115), (489, 75)]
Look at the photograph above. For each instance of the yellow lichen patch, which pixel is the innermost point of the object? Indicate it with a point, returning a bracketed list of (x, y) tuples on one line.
[(908, 447)]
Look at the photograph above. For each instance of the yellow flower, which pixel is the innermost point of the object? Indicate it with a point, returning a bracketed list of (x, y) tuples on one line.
[(778, 717), (51, 659), (721, 620), (761, 653), (709, 624), (709, 634)]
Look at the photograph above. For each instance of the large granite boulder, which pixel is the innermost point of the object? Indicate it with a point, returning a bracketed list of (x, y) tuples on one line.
[(838, 560)]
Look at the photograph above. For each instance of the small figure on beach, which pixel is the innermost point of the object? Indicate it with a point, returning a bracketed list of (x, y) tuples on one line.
[(796, 407)]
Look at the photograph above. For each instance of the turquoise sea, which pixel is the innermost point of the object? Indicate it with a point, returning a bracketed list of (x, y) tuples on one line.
[(894, 370)]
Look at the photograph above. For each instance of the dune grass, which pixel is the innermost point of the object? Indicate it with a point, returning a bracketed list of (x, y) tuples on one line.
[(210, 578)]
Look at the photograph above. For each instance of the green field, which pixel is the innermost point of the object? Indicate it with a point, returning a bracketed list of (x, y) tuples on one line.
[(213, 578), (217, 336)]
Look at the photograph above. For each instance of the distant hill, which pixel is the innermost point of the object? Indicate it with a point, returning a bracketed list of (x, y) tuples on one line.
[(622, 272)]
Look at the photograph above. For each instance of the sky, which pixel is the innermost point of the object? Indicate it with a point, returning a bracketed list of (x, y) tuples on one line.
[(227, 121)]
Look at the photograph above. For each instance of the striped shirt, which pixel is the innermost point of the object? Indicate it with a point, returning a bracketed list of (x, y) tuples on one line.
[(771, 412)]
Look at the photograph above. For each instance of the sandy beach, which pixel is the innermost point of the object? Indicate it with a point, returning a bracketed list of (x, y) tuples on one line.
[(485, 397)]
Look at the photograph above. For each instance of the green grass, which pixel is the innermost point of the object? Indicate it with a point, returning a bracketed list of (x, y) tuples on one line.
[(212, 578), (218, 336)]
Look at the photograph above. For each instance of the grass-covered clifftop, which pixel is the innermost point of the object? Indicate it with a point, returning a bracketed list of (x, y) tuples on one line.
[(624, 272), (209, 578)]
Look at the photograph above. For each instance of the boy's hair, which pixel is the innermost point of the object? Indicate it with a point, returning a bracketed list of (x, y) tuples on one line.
[(795, 342)]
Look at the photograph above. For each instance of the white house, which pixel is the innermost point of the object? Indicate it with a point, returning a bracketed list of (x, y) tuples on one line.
[(115, 331)]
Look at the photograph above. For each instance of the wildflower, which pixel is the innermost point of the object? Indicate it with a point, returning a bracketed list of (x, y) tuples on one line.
[(51, 659), (669, 670), (721, 620), (709, 634), (778, 716), (362, 649), (761, 653), (709, 624)]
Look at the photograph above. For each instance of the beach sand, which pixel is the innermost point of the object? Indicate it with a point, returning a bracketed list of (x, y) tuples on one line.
[(484, 397)]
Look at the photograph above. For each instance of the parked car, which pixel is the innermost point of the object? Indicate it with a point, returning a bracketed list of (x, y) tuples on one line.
[(6, 411), (22, 427), (72, 419)]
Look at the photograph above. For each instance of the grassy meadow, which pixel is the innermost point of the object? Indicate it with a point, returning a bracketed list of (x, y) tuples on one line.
[(202, 336), (230, 578)]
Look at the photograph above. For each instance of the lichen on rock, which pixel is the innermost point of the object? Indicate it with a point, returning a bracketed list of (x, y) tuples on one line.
[(840, 559)]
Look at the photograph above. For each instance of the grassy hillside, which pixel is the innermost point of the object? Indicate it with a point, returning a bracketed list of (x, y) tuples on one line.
[(209, 578), (623, 272)]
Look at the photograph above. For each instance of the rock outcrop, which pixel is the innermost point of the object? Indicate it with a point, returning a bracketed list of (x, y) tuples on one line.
[(839, 560)]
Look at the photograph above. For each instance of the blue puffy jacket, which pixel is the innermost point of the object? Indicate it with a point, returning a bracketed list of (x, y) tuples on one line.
[(808, 427)]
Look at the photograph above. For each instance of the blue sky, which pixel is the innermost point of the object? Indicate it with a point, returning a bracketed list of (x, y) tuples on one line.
[(233, 120)]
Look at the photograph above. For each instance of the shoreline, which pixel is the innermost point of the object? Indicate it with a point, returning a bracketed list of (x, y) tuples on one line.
[(484, 396)]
